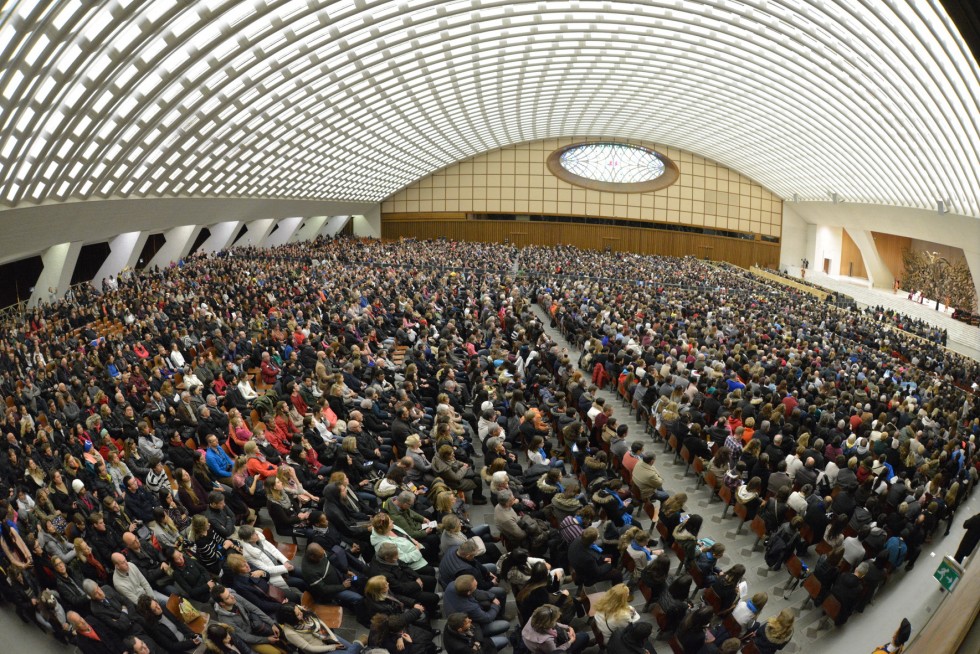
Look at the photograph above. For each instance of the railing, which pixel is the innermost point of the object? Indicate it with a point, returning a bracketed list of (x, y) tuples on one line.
[(789, 282), (952, 621), (21, 307)]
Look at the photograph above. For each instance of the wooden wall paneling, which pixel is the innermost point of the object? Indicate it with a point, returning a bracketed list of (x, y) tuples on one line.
[(851, 262), (891, 248)]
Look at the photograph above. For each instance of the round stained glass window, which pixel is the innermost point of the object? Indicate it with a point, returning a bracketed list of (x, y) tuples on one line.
[(614, 167), (613, 162)]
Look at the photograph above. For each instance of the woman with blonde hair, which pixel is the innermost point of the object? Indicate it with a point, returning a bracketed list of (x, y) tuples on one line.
[(257, 463), (613, 610), (238, 431), (383, 530), (452, 532), (86, 563), (292, 486), (421, 464), (302, 629), (457, 475), (777, 632), (670, 514)]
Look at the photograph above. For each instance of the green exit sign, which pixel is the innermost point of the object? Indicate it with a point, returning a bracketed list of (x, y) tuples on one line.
[(948, 573)]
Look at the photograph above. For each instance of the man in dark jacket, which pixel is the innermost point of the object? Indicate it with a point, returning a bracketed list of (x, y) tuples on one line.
[(460, 598), (970, 538), (166, 628), (150, 562), (848, 590), (634, 638), (327, 584), (190, 576), (588, 561), (139, 501), (113, 610), (461, 560), (222, 518), (462, 636), (403, 580), (250, 624), (93, 636)]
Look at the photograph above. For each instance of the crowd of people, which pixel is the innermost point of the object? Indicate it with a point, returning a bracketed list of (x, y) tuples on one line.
[(834, 297), (364, 396), (910, 324)]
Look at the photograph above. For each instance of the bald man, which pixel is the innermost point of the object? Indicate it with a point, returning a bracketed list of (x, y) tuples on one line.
[(93, 636), (147, 559), (130, 582)]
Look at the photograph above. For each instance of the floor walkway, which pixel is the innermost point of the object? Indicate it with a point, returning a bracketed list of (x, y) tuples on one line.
[(914, 594)]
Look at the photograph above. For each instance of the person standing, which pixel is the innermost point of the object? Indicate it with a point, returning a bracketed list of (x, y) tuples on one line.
[(970, 538), (899, 638)]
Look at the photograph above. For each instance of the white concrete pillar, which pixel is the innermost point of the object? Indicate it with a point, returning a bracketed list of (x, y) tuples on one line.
[(221, 236), (257, 232), (178, 244), (369, 224), (59, 265), (334, 225), (287, 227), (124, 251), (309, 229), (878, 273)]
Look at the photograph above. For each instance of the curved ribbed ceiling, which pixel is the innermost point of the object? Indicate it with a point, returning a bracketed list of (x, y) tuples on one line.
[(872, 100)]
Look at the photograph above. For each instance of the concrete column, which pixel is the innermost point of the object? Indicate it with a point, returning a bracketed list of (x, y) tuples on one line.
[(334, 225), (258, 230), (59, 265), (124, 251), (178, 244), (878, 273), (309, 230), (287, 227), (369, 224), (973, 261), (221, 236)]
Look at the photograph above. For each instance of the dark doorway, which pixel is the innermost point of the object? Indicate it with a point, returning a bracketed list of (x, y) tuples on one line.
[(90, 259)]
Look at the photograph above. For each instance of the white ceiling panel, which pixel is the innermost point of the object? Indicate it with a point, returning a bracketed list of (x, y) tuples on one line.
[(873, 100)]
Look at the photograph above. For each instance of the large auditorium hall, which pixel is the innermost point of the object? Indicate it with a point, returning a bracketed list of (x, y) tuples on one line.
[(479, 326)]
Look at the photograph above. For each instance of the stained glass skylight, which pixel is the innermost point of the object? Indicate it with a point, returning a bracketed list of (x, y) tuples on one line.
[(613, 163)]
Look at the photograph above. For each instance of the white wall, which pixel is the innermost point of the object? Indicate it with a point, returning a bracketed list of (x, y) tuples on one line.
[(793, 242), (827, 246)]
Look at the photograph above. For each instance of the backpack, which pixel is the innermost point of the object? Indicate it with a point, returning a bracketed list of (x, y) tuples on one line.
[(777, 551), (517, 641)]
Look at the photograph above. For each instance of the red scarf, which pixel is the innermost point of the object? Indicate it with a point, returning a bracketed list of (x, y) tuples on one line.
[(99, 568)]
